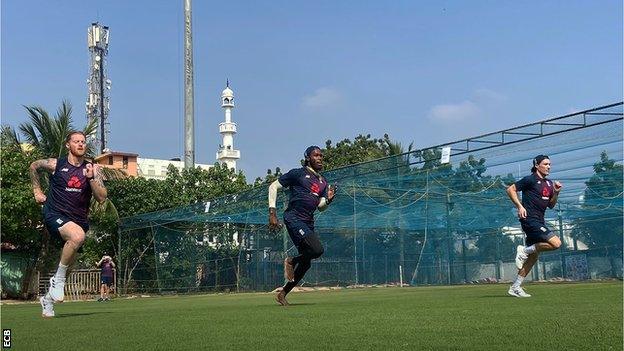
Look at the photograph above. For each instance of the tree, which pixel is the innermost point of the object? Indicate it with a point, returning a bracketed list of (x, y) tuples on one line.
[(8, 137), (47, 134), (361, 149), (21, 215), (269, 178)]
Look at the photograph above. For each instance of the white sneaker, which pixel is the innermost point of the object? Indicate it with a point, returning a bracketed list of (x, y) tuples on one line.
[(57, 289), (517, 292), (47, 306), (521, 257)]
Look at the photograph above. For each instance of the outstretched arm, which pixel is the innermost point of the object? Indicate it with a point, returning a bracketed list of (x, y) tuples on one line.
[(273, 221), (47, 165)]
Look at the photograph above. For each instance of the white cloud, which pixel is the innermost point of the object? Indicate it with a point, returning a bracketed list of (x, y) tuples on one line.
[(322, 97), (454, 112), (483, 102), (488, 96)]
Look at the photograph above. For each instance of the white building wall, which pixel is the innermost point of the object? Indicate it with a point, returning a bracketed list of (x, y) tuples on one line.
[(152, 168)]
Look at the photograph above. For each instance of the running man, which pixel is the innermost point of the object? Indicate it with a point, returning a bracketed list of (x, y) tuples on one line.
[(72, 182), (308, 191), (538, 192), (106, 276)]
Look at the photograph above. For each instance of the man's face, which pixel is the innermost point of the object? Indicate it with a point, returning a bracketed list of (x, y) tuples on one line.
[(544, 167), (77, 145), (316, 160)]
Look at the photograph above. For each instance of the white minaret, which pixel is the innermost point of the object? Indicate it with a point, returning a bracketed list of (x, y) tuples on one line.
[(227, 154)]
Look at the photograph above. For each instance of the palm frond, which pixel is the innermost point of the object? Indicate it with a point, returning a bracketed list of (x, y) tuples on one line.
[(8, 137), (111, 173), (46, 133), (62, 126), (30, 135)]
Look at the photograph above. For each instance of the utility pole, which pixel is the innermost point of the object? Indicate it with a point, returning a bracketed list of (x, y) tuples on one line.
[(563, 245), (449, 241), (189, 114)]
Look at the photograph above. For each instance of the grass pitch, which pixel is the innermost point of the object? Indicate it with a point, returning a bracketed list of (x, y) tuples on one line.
[(582, 316)]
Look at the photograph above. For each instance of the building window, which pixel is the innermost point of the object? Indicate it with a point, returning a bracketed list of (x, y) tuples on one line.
[(151, 172), (125, 162), (110, 160)]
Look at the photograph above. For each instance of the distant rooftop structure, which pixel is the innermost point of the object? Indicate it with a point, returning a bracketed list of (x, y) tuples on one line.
[(227, 154), (152, 168), (133, 165)]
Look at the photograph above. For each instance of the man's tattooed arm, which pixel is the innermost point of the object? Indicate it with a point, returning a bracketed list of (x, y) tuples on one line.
[(47, 165)]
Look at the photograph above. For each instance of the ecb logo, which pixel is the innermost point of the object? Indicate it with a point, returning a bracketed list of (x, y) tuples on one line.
[(6, 338)]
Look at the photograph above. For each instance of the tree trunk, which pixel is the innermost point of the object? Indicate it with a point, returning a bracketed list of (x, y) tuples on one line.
[(38, 265), (141, 254)]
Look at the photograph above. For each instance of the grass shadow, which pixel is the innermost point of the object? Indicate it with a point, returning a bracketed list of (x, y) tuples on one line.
[(70, 315)]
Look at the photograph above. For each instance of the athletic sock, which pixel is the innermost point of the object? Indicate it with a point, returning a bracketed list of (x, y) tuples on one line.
[(61, 272), (300, 271), (518, 281), (289, 286), (530, 249)]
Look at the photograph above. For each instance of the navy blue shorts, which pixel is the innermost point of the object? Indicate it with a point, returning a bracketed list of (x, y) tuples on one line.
[(54, 222), (536, 232), (305, 239), (106, 280), (298, 230)]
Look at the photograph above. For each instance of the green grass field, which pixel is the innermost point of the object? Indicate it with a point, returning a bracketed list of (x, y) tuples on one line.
[(584, 316)]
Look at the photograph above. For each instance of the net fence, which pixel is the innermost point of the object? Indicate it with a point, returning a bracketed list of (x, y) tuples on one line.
[(406, 219)]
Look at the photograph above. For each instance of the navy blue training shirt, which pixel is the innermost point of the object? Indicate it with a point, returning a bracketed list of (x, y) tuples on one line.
[(107, 269), (536, 194), (70, 192), (306, 190)]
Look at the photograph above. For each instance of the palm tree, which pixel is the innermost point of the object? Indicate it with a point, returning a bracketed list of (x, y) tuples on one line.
[(47, 134), (8, 137)]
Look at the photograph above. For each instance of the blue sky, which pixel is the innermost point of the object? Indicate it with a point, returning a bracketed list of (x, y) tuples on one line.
[(304, 72)]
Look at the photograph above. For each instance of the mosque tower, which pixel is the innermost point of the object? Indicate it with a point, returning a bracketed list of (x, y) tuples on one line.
[(227, 154)]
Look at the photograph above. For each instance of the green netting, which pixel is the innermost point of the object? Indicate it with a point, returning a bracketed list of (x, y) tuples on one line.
[(406, 219)]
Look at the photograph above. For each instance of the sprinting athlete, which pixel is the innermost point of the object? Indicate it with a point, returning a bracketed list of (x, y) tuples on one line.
[(308, 191), (538, 193), (72, 183)]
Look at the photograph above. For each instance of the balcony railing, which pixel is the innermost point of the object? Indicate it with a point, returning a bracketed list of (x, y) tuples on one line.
[(225, 127), (228, 153)]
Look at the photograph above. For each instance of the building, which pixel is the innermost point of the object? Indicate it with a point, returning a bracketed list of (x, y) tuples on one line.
[(135, 166), (152, 168), (124, 161), (226, 153)]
